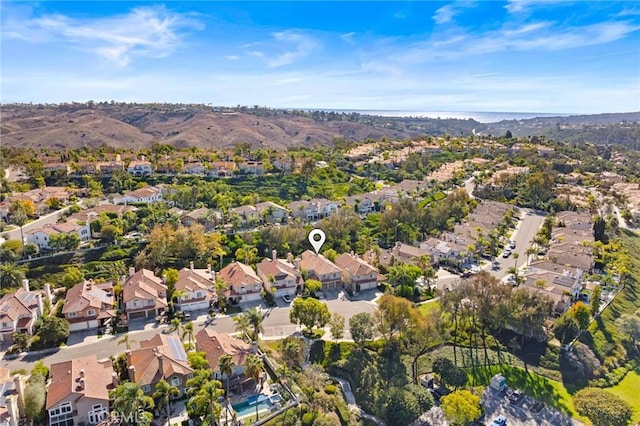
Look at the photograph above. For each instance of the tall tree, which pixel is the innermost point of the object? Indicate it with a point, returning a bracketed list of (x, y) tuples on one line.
[(163, 395), (420, 337), (187, 331), (131, 405), (35, 398), (204, 403), (393, 316), (309, 312), (11, 275), (461, 407), (253, 367), (126, 340), (361, 327), (255, 320), (336, 326), (19, 217), (226, 368)]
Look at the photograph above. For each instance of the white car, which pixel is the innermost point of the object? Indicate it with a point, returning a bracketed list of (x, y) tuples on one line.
[(506, 253)]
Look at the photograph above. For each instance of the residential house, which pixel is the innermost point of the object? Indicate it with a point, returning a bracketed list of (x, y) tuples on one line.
[(403, 253), (140, 168), (321, 269), (11, 391), (111, 209), (574, 259), (558, 287), (243, 285), (56, 169), (78, 391), (546, 265), (222, 169), (20, 310), (42, 236), (89, 305), (247, 215), (272, 212), (107, 168), (160, 358), (357, 274), (194, 169), (148, 194), (251, 167), (208, 218), (215, 345), (198, 288), (284, 164), (280, 276), (305, 210), (82, 168), (574, 220), (571, 236), (441, 250), (144, 295)]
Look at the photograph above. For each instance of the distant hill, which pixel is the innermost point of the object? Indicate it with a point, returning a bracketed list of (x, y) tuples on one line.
[(137, 126)]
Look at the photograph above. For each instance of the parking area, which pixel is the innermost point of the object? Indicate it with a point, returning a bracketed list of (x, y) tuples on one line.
[(523, 411)]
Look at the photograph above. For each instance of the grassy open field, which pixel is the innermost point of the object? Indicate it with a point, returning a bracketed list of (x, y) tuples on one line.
[(629, 390)]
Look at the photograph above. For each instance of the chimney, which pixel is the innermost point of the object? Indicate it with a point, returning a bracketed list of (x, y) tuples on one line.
[(297, 264), (114, 379), (132, 271), (47, 290), (82, 373), (81, 383), (290, 258), (20, 383), (164, 279), (118, 158), (159, 358), (132, 373), (40, 304), (191, 265), (25, 284), (88, 285), (213, 275), (208, 267), (274, 255)]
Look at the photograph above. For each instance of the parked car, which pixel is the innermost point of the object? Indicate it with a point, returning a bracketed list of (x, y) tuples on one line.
[(506, 253), (499, 421), (286, 298), (186, 316), (516, 396), (512, 244)]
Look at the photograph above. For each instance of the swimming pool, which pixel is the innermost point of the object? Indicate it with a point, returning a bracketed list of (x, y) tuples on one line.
[(248, 407)]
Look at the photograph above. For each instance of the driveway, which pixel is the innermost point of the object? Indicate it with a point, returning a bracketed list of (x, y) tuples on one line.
[(496, 404)]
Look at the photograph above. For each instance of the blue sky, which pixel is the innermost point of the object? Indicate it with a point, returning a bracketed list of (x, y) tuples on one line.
[(527, 55)]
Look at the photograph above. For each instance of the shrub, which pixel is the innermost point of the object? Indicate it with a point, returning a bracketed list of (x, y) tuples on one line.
[(331, 389), (308, 418), (602, 407)]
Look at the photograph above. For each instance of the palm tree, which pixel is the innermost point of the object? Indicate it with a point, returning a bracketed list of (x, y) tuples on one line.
[(531, 251), (246, 254), (175, 325), (126, 341), (19, 218), (200, 377), (226, 365), (205, 403), (187, 331), (255, 320), (242, 323), (11, 275), (131, 404), (515, 259), (164, 392), (253, 367)]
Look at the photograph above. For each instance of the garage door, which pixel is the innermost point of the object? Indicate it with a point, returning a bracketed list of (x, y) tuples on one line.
[(134, 315), (195, 306), (76, 326)]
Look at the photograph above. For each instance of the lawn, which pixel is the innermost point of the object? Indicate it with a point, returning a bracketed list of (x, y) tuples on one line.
[(429, 307), (628, 389), (541, 388)]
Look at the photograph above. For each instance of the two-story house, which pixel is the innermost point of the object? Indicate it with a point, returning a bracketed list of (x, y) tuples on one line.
[(197, 287), (78, 392), (248, 215), (11, 391), (222, 169), (88, 305), (272, 212), (148, 194), (243, 285), (107, 168), (280, 276), (357, 274), (144, 295), (305, 210), (42, 236), (251, 167), (194, 169), (215, 345), (321, 269), (161, 357), (19, 311), (140, 168)]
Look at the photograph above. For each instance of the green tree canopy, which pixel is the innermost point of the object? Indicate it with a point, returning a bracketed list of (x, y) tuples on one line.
[(309, 312), (602, 407), (461, 407)]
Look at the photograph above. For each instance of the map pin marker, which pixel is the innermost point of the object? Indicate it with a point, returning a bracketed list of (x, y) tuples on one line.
[(317, 243)]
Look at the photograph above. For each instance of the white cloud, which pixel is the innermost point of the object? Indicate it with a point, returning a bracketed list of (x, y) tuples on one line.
[(149, 31), (445, 14), (284, 48)]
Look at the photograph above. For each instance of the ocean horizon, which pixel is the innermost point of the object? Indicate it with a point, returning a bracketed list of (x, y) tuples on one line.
[(479, 116)]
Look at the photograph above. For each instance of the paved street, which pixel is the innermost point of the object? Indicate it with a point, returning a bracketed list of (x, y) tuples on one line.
[(526, 230), (276, 325), (40, 222)]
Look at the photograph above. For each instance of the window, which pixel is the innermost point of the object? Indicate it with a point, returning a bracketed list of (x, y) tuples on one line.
[(175, 381), (5, 325), (146, 388), (91, 312), (135, 303), (72, 314), (199, 294)]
